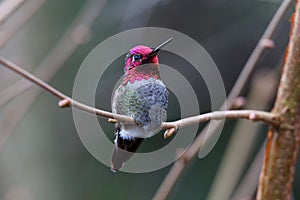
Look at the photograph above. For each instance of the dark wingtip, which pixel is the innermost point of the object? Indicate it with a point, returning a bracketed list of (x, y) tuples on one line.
[(124, 149), (113, 169), (119, 156)]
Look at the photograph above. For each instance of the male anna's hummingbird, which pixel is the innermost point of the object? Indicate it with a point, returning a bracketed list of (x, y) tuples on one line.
[(142, 96)]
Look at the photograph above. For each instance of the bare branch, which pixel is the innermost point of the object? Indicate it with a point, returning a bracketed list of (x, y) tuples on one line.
[(29, 9), (181, 163), (262, 90), (7, 7), (60, 95), (218, 115), (77, 34), (253, 115), (248, 185), (74, 36)]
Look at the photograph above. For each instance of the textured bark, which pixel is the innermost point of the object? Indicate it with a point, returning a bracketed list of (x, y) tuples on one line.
[(276, 180)]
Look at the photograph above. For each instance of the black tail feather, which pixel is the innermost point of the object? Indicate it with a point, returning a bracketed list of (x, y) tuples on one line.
[(124, 149)]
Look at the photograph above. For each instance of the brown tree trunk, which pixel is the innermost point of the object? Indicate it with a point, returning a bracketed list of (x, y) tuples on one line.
[(277, 175)]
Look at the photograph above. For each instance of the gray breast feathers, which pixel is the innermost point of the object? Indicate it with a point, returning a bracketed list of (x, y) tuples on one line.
[(146, 102)]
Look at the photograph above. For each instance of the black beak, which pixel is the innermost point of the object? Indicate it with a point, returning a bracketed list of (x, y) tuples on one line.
[(157, 49)]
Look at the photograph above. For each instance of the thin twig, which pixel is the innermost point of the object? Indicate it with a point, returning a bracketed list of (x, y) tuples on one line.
[(12, 26), (182, 162), (74, 36), (77, 34), (13, 90), (262, 91), (247, 187), (253, 115), (7, 7), (61, 95)]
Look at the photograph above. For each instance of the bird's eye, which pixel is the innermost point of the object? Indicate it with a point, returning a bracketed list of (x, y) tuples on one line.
[(136, 57)]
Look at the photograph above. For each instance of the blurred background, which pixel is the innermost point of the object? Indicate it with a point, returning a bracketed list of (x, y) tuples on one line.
[(41, 155)]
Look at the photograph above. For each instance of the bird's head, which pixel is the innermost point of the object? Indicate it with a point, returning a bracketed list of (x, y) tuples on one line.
[(140, 55)]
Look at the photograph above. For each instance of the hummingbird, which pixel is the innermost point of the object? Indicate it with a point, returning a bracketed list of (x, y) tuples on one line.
[(141, 95)]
